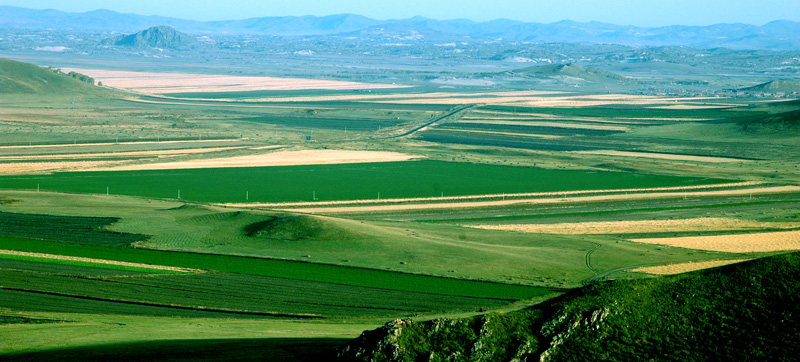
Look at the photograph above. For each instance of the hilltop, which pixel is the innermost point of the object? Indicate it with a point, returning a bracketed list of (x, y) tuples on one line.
[(162, 37), (19, 77), (775, 86), (568, 72), (746, 311)]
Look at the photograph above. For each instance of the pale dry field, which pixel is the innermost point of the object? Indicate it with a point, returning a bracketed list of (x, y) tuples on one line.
[(544, 198), (695, 106), (282, 158), (115, 143), (533, 135), (592, 119), (44, 167), (640, 226), (602, 127), (671, 269), (738, 243), (165, 83), (560, 101), (499, 117), (554, 199), (390, 98), (663, 156), (77, 156), (98, 261)]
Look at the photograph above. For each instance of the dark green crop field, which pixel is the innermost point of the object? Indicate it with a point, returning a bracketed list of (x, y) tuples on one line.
[(360, 277), (341, 182)]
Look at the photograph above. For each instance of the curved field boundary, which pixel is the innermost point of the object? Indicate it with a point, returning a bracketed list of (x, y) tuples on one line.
[(551, 200)]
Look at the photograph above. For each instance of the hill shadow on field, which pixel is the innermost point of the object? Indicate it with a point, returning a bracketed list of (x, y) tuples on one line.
[(238, 350)]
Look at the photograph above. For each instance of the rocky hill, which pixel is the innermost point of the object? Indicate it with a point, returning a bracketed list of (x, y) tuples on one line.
[(743, 312), (161, 37)]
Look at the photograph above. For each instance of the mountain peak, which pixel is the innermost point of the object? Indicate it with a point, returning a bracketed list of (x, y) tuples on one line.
[(162, 36)]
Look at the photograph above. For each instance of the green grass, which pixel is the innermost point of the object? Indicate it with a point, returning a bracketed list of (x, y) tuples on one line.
[(86, 264), (283, 269), (741, 312), (65, 228), (326, 182), (206, 350)]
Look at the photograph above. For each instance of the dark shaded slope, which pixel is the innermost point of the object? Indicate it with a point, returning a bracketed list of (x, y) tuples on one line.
[(747, 311)]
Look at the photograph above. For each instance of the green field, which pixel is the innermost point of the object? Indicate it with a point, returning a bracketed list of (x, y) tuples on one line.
[(342, 182), (281, 268), (271, 284)]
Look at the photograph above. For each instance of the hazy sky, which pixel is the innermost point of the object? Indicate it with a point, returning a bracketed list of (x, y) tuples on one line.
[(622, 12)]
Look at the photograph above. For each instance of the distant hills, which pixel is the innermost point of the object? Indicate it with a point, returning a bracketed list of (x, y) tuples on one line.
[(155, 37), (570, 71), (776, 35)]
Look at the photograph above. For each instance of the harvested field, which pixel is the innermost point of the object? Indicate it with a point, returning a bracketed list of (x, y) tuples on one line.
[(97, 261), (555, 197), (562, 101), (164, 83), (739, 243), (496, 117), (671, 269), (662, 156), (390, 98), (284, 158), (640, 226), (115, 143), (74, 156), (39, 167), (545, 136), (696, 106), (548, 124)]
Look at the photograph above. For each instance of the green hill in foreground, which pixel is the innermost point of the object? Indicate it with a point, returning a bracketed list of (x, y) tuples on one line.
[(743, 312), (19, 77)]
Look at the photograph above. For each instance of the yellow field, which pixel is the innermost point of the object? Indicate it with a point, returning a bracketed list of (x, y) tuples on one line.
[(640, 226), (671, 269), (743, 243)]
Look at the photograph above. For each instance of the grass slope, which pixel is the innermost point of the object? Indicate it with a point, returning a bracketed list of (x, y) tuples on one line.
[(19, 77), (746, 311)]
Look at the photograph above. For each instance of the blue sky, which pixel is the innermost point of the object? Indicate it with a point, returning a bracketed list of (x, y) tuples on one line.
[(622, 12)]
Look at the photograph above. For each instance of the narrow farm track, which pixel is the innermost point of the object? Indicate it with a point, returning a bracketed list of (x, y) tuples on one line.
[(589, 257)]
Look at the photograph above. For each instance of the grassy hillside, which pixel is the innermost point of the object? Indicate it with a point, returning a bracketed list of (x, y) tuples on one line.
[(746, 311), (19, 77), (573, 71), (775, 86)]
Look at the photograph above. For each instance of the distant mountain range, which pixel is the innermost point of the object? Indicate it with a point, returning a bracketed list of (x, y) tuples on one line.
[(776, 35)]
